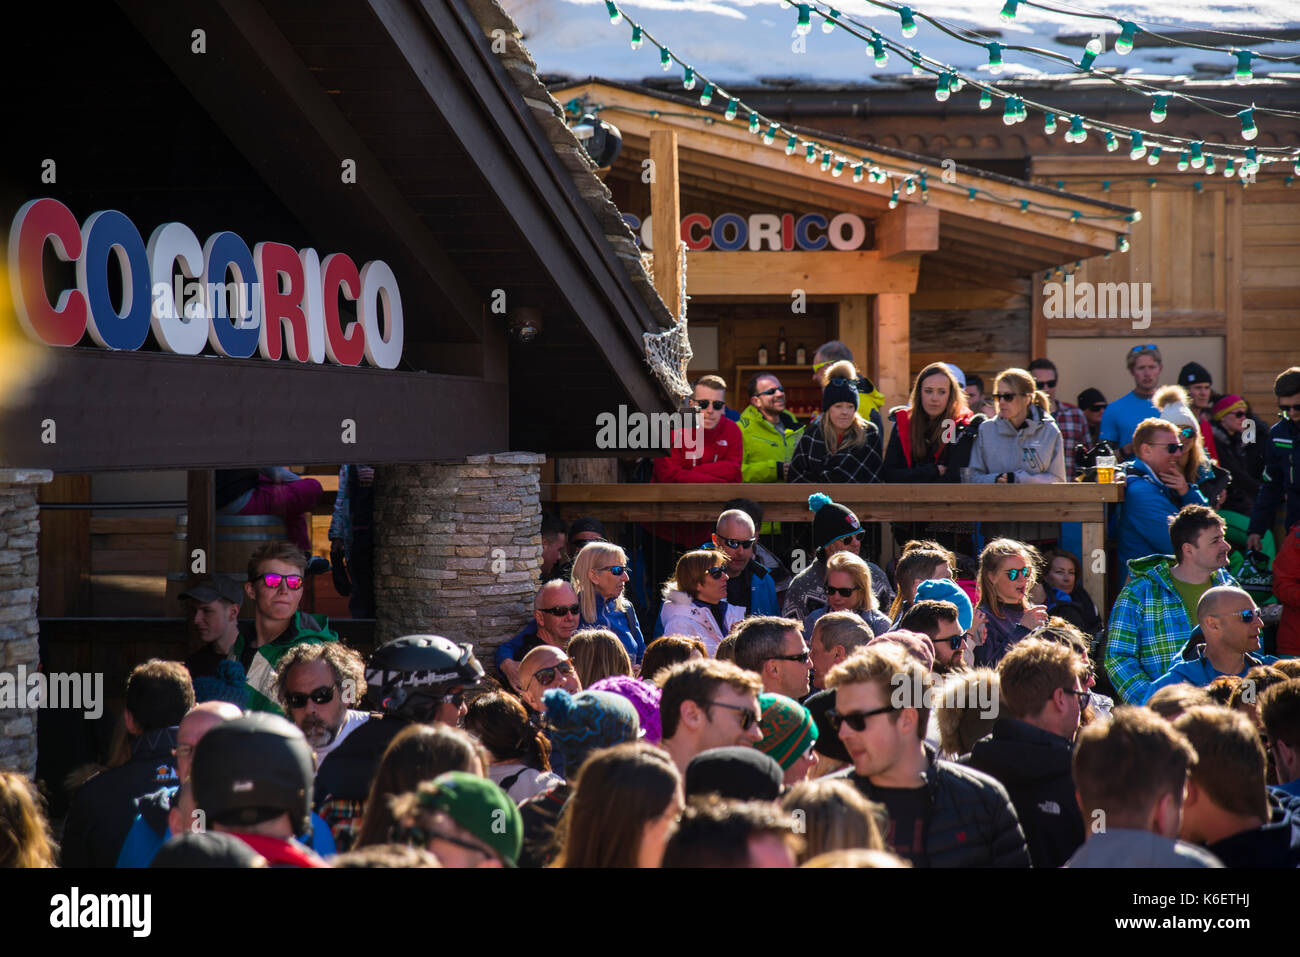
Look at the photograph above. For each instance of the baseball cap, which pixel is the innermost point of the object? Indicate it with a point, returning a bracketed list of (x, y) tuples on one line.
[(480, 807), (211, 587)]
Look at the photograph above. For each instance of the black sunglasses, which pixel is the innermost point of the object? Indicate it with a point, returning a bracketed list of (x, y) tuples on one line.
[(747, 717), (1098, 407), (618, 570), (1049, 384), (806, 658), (717, 404), (1250, 614), (857, 720), (1082, 695), (956, 641), (1173, 448), (559, 611), (321, 695), (842, 592), (716, 572), (1007, 396), (1284, 409), (548, 676), (738, 542), (772, 391)]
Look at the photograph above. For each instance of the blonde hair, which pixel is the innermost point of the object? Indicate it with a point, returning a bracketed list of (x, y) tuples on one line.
[(1025, 384), (924, 432), (835, 816), (597, 653), (24, 832), (879, 665), (859, 571), (856, 436), (594, 555), (992, 556), (1197, 461)]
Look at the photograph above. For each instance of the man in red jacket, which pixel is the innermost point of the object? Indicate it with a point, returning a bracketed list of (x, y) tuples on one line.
[(710, 451), (1286, 586)]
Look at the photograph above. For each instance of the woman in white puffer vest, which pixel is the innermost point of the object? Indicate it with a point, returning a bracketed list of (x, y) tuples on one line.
[(695, 600)]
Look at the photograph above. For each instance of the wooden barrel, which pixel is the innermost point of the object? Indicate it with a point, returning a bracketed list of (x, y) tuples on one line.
[(237, 537)]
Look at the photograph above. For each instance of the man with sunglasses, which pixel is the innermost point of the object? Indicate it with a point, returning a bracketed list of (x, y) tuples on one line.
[(709, 450), (940, 814), (1069, 418), (1092, 403), (1123, 416), (556, 613), (1042, 697), (708, 704), (544, 668), (770, 432), (774, 649), (276, 575), (1226, 639), (749, 583), (1155, 490), (317, 686), (1282, 462)]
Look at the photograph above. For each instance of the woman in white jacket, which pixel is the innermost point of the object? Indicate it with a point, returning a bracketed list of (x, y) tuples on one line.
[(1023, 443), (695, 602)]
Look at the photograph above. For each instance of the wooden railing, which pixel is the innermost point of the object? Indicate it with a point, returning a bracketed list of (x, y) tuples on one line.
[(1082, 502)]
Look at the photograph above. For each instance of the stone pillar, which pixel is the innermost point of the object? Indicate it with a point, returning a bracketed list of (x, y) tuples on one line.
[(19, 644), (458, 548)]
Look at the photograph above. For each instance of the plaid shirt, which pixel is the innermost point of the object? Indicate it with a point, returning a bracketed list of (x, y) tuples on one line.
[(1149, 627), (811, 462), (1074, 430)]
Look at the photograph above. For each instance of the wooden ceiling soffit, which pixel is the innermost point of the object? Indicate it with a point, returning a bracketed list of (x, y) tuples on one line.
[(731, 141), (258, 83)]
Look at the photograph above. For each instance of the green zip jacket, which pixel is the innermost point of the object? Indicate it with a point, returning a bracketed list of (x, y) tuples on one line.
[(261, 671), (767, 447)]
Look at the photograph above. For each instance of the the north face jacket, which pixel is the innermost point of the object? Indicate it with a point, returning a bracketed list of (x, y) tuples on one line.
[(1276, 844), (717, 459), (1034, 452), (303, 629), (1281, 479), (767, 447), (970, 821), (1148, 628), (1034, 766)]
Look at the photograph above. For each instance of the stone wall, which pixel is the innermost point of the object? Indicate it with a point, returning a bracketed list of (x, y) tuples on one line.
[(19, 645), (458, 548)]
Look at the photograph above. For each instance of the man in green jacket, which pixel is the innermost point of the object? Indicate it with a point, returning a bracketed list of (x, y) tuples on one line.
[(770, 432)]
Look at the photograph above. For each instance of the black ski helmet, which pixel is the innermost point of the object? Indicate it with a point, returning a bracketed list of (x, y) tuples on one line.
[(252, 769), (411, 675)]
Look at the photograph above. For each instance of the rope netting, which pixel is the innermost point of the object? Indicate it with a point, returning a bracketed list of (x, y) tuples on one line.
[(669, 352)]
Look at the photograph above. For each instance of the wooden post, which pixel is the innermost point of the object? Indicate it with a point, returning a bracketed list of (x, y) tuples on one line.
[(200, 527), (1094, 543), (665, 208), (855, 332), (892, 346)]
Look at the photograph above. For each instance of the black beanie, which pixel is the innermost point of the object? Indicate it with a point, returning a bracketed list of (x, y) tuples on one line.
[(831, 521), (840, 390), (1193, 373)]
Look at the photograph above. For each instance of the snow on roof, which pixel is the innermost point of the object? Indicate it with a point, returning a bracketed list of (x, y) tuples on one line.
[(746, 41)]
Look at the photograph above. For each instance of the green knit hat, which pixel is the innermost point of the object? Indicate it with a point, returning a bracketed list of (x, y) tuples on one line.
[(788, 729), (480, 807)]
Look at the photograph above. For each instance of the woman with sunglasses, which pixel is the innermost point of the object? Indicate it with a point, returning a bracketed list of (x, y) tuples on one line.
[(695, 600), (924, 447), (842, 446), (1175, 407), (849, 588), (1023, 443), (600, 573), (1005, 577), (1232, 424)]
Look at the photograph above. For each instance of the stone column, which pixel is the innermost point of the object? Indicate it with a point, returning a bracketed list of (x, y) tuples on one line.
[(458, 548), (19, 645)]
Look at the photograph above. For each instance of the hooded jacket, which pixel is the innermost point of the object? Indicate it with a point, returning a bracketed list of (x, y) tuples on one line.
[(1148, 506), (717, 459), (953, 456), (1148, 627), (1200, 672), (1281, 479), (970, 821), (1034, 766), (1276, 844), (681, 615), (1034, 452), (261, 663), (767, 447)]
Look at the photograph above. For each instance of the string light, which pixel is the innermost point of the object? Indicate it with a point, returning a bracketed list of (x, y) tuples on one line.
[(1198, 160), (614, 15), (995, 58), (769, 137), (706, 97), (1154, 156), (1127, 33), (753, 122), (839, 169), (942, 91), (986, 99), (1161, 108), (733, 106), (878, 49), (665, 59), (810, 154), (1243, 74), (857, 172), (826, 160), (1009, 10), (1248, 129), (1137, 149), (803, 26), (1049, 123), (688, 79), (1112, 143), (790, 144), (828, 24), (893, 199), (907, 23), (1183, 162), (637, 37), (1091, 51)]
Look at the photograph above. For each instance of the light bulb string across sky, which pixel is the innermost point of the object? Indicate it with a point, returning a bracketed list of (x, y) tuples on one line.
[(1091, 52), (831, 160), (1145, 27), (1166, 142)]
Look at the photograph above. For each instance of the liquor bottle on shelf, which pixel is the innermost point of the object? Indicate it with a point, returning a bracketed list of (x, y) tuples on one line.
[(780, 346), (762, 354), (800, 355)]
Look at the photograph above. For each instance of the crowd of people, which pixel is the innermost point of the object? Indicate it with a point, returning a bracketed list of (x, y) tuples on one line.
[(947, 710)]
